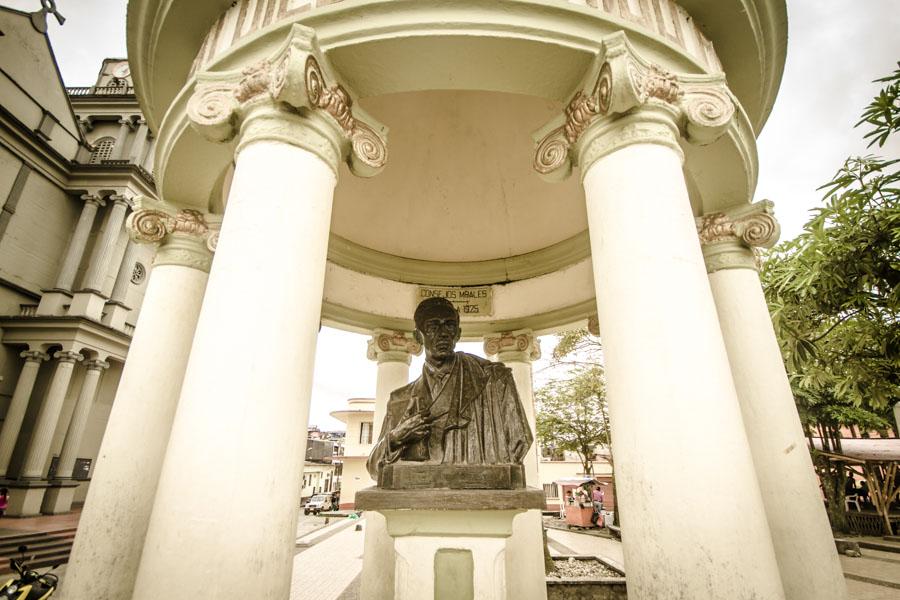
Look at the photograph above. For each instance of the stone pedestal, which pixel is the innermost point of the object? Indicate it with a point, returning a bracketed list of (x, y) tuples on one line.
[(25, 497), (116, 313), (58, 498), (450, 543), (53, 302)]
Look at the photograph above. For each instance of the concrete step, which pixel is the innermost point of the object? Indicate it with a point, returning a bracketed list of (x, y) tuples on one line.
[(884, 546), (45, 548)]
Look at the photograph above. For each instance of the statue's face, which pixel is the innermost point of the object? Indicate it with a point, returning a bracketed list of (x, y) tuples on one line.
[(440, 332)]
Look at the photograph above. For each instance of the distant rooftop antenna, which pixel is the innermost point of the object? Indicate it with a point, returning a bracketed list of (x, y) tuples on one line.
[(39, 18)]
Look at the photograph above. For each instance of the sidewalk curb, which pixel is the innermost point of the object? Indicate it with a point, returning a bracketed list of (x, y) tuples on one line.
[(872, 580), (318, 535)]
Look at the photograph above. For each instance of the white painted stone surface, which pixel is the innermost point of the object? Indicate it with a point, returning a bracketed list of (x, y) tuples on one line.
[(245, 398), (48, 417), (670, 390), (12, 422), (801, 533), (379, 558), (107, 549)]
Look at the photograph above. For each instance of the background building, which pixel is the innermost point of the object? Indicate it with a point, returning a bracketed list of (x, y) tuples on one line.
[(71, 282), (359, 416)]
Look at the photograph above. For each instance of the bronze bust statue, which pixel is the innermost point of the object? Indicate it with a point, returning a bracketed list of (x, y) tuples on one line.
[(459, 425)]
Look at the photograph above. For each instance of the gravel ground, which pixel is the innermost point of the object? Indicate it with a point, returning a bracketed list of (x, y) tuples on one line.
[(574, 568)]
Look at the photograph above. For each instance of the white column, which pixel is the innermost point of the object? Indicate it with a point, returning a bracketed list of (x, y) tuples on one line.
[(58, 499), (251, 424), (116, 309), (48, 417), (72, 442), (678, 434), (119, 149), (113, 524), (96, 273), (126, 269), (137, 146), (52, 300), (517, 350), (393, 350), (12, 423), (525, 548), (801, 533), (89, 300)]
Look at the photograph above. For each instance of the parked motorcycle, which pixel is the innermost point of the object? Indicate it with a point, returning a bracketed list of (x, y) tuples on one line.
[(29, 585)]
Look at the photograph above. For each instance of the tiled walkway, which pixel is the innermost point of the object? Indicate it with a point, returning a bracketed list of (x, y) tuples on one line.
[(325, 570)]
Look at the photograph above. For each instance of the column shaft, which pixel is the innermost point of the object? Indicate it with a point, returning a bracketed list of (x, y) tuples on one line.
[(525, 547), (113, 524), (521, 371), (137, 146), (378, 555), (75, 250), (48, 417), (96, 273), (123, 278), (253, 433), (392, 374), (79, 418), (119, 149), (673, 405), (12, 423), (804, 544)]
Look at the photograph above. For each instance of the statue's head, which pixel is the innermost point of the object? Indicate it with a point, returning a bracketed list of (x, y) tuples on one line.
[(437, 322)]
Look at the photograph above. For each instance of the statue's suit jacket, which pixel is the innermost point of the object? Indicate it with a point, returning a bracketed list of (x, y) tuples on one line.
[(477, 417)]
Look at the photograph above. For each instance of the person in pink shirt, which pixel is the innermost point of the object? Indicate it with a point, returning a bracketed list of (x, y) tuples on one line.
[(597, 501)]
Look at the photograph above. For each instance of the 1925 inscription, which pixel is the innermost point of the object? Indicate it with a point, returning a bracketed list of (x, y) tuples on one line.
[(469, 301)]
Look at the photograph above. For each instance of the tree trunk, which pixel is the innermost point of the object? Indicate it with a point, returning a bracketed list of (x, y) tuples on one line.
[(833, 478)]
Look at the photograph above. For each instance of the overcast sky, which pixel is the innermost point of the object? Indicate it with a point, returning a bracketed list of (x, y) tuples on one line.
[(835, 50)]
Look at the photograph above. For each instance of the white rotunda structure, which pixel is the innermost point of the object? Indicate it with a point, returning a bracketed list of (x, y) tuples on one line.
[(543, 164)]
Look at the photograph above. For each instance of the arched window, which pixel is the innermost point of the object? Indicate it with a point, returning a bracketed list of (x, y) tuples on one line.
[(102, 150)]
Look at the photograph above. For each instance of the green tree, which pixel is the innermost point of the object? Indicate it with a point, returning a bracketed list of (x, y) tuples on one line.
[(572, 414), (834, 296)]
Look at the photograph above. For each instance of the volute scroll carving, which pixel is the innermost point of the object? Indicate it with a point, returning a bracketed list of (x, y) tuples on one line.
[(619, 83), (297, 77), (187, 237), (733, 239)]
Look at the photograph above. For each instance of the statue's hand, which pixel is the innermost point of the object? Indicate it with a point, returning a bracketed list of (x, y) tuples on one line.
[(411, 429)]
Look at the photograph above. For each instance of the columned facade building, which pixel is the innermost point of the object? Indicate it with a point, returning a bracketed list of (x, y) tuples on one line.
[(547, 163), (72, 163)]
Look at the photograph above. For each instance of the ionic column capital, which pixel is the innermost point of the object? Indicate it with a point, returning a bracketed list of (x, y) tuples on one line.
[(625, 99), (34, 356), (294, 97), (121, 200), (94, 199), (513, 346), (187, 237), (388, 345), (729, 239), (96, 365), (68, 356)]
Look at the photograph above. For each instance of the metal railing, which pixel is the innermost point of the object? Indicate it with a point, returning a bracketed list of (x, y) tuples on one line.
[(101, 90)]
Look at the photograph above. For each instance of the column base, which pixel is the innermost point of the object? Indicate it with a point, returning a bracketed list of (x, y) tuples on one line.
[(53, 302), (87, 303), (116, 313), (58, 498), (25, 497)]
